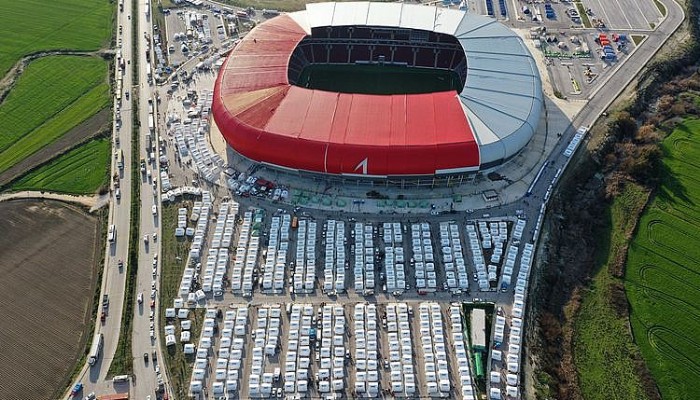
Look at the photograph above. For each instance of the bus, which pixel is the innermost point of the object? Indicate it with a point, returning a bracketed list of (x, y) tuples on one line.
[(120, 159), (96, 348), (295, 222)]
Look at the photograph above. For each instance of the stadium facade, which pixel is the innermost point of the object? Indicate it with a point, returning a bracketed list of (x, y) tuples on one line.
[(266, 117)]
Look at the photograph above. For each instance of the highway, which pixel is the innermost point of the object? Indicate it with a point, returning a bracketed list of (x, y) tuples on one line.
[(114, 278), (145, 379)]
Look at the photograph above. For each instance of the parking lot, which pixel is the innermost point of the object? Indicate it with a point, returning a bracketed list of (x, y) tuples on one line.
[(626, 14), (197, 32)]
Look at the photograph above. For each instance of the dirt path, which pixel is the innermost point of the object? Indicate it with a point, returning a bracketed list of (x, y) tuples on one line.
[(94, 202)]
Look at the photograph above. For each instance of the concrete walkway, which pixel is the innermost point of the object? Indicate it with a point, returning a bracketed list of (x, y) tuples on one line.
[(95, 202)]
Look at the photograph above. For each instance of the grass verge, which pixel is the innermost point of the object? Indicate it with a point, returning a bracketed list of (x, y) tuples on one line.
[(637, 39), (663, 271), (82, 170), (175, 251), (603, 346), (584, 17)]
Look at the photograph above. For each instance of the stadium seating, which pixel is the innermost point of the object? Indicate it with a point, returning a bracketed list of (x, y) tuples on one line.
[(413, 48)]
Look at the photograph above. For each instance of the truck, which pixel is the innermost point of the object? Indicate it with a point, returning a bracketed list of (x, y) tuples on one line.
[(120, 159), (112, 233), (149, 74), (120, 378), (116, 396), (151, 123), (96, 348)]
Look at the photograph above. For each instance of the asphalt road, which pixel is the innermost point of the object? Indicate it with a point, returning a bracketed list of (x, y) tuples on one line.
[(114, 278), (145, 381)]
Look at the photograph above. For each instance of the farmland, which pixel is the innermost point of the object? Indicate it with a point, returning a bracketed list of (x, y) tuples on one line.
[(47, 101), (663, 270), (30, 26), (80, 171), (49, 278)]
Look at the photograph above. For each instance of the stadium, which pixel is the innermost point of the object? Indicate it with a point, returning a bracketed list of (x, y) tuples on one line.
[(379, 90)]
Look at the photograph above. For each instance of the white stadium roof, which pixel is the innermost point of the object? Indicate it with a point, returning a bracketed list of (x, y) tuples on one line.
[(502, 96)]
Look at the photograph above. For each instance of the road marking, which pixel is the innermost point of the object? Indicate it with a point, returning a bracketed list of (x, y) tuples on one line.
[(599, 8), (642, 13)]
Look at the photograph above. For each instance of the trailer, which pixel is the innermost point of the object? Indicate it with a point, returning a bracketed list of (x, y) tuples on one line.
[(96, 348)]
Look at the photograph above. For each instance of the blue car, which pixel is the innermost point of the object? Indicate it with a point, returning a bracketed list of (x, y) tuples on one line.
[(76, 389)]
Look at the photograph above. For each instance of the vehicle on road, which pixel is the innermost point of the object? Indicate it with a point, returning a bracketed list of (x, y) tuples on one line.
[(112, 233), (145, 358), (96, 348), (139, 299), (154, 210), (76, 389), (145, 239)]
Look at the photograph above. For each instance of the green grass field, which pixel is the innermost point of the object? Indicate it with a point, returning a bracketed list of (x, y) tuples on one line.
[(29, 26), (377, 79), (603, 347), (49, 99), (82, 170), (663, 270)]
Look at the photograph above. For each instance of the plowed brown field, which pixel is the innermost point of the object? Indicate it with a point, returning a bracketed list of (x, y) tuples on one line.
[(47, 280)]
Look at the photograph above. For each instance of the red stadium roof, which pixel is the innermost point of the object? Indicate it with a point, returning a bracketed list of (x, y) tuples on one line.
[(265, 118)]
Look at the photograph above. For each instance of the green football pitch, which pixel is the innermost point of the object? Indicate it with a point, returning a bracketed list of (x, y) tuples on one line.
[(377, 79)]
